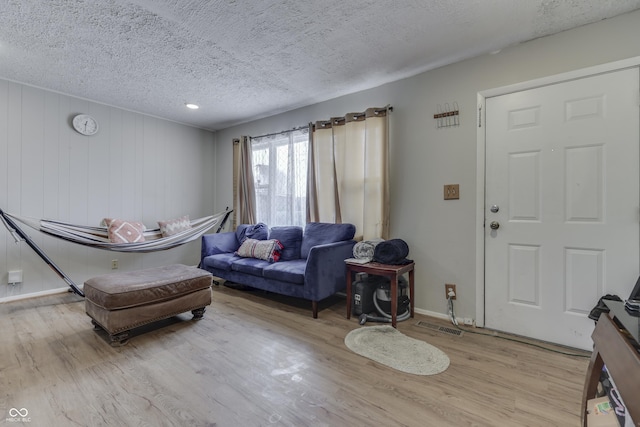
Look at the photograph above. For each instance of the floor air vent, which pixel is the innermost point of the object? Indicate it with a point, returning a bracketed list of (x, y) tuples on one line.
[(438, 328)]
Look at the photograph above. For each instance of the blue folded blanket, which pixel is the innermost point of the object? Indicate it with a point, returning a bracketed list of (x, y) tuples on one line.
[(258, 231), (393, 251)]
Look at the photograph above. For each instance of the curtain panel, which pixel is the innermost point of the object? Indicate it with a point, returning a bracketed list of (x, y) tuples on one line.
[(244, 194), (349, 172)]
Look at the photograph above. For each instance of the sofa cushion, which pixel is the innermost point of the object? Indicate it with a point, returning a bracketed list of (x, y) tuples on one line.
[(320, 233), (250, 266), (268, 250), (258, 231), (219, 243), (291, 239), (290, 271), (220, 261)]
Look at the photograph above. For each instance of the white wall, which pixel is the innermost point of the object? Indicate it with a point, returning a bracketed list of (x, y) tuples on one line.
[(137, 167), (442, 234)]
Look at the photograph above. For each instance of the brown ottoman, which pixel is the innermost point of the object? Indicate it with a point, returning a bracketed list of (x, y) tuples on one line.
[(119, 302)]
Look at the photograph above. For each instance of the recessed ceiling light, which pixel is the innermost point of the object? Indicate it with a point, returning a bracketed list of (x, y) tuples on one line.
[(192, 106)]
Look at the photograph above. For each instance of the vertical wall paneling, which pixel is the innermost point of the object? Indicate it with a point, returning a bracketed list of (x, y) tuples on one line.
[(32, 176), (98, 176), (207, 164), (60, 163), (136, 167), (99, 181), (128, 168), (14, 184), (148, 168), (113, 156), (164, 174), (173, 189), (50, 136), (5, 238), (78, 190)]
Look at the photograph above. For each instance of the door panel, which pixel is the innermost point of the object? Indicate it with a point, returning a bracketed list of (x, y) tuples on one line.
[(562, 164)]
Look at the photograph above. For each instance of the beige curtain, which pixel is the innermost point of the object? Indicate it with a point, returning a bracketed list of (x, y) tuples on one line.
[(244, 194), (349, 172)]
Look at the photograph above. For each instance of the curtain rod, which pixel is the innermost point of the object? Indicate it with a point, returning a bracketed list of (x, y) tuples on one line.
[(342, 119), (279, 133), (387, 107)]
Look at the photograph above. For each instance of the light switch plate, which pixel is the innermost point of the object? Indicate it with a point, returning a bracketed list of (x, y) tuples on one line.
[(452, 191)]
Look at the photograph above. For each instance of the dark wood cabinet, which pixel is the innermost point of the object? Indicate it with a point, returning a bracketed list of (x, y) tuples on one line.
[(616, 345)]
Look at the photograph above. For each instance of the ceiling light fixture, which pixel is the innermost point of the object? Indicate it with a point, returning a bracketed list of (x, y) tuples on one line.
[(192, 106)]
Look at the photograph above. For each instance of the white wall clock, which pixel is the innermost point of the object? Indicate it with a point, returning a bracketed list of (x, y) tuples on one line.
[(85, 124)]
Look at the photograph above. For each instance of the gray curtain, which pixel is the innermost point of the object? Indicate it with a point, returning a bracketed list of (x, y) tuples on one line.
[(244, 194)]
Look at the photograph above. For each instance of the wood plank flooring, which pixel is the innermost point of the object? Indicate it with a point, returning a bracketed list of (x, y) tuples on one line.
[(261, 360)]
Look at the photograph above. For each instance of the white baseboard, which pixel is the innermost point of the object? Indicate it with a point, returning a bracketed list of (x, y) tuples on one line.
[(34, 295), (432, 313)]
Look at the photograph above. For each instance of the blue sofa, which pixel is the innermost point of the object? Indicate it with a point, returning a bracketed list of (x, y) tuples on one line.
[(311, 264)]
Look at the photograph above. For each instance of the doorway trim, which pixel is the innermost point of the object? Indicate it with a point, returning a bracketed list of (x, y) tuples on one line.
[(481, 154)]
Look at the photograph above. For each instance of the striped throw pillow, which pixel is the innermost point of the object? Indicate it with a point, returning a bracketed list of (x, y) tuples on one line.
[(268, 250)]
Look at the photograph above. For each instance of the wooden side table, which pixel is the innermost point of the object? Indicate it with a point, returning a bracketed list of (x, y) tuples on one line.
[(393, 272)]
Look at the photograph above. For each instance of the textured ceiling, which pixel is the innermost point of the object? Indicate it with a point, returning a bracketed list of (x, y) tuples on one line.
[(241, 60)]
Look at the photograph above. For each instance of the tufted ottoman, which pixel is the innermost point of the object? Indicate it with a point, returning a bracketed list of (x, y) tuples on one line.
[(119, 302)]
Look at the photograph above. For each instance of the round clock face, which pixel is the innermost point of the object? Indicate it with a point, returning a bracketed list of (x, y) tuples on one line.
[(85, 124)]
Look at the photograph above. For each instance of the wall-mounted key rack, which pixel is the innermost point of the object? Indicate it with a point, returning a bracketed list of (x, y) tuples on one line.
[(447, 116)]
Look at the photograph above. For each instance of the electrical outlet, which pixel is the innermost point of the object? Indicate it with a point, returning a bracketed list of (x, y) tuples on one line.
[(14, 277), (448, 287), (114, 264), (468, 321)]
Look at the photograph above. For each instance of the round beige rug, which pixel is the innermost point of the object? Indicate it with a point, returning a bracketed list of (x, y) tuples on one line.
[(385, 344)]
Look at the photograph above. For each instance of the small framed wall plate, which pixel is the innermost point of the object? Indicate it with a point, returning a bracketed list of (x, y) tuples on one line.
[(85, 124)]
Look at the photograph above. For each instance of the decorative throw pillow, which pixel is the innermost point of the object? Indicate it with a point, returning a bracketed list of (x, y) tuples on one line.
[(268, 250), (173, 226), (121, 231)]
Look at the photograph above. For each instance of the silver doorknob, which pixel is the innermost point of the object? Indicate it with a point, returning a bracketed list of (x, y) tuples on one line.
[(495, 208), (494, 225)]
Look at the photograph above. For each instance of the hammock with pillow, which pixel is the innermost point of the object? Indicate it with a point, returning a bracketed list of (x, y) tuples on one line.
[(98, 237)]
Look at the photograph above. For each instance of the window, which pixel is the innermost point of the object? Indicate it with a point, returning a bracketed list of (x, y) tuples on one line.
[(280, 175)]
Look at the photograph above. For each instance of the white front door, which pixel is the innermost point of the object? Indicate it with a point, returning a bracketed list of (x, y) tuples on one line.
[(562, 188)]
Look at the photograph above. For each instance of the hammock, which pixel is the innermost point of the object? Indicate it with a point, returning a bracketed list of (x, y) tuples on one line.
[(98, 237)]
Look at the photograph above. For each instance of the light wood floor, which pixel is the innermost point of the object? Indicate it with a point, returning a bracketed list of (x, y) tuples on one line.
[(258, 360)]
